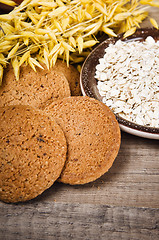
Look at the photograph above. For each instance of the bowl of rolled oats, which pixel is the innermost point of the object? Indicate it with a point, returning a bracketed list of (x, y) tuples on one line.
[(124, 74)]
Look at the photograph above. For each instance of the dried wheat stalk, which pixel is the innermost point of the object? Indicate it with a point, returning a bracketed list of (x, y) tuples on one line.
[(41, 31)]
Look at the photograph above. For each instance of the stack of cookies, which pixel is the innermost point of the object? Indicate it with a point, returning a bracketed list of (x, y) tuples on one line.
[(49, 132)]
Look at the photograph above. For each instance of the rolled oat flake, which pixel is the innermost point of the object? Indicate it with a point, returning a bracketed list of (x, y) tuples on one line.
[(128, 80)]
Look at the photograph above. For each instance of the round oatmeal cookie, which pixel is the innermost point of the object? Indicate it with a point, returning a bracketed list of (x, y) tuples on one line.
[(32, 152), (92, 134), (72, 75), (37, 89)]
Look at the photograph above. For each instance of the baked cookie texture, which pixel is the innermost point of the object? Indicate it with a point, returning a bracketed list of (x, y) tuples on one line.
[(32, 152), (92, 134), (37, 89), (72, 75)]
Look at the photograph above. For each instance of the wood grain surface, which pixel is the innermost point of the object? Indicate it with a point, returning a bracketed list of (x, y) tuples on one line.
[(122, 204)]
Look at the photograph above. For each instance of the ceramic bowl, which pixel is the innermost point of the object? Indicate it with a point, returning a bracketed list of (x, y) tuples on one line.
[(89, 83)]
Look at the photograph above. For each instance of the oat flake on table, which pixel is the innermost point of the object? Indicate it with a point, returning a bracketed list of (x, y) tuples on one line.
[(128, 80)]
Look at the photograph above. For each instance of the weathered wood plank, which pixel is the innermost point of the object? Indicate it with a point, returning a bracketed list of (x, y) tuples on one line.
[(41, 220)]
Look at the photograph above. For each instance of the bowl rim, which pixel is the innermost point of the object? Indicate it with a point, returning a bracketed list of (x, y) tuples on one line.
[(140, 34)]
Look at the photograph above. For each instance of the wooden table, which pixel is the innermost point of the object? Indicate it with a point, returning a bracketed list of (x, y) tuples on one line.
[(123, 204)]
